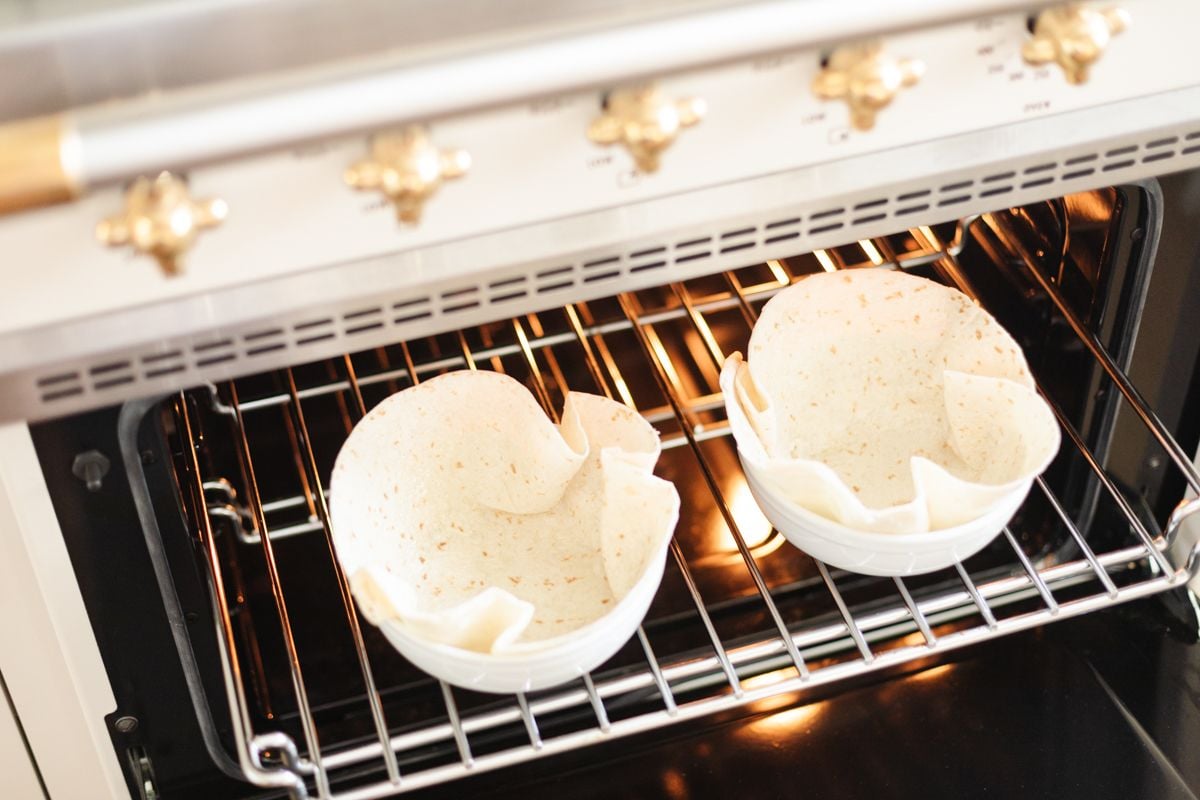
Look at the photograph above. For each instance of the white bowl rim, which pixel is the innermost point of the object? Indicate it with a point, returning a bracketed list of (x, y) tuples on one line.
[(825, 528)]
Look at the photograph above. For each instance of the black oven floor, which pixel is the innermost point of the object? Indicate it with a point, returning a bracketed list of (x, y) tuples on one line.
[(1103, 706)]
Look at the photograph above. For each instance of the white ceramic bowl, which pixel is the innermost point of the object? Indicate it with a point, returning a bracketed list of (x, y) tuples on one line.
[(546, 663), (872, 553), (464, 518)]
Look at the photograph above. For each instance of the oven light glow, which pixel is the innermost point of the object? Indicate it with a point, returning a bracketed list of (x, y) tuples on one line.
[(914, 639), (614, 372), (925, 237), (826, 261), (773, 702), (770, 679), (674, 785), (660, 353), (706, 334), (760, 538), (623, 390), (779, 272), (932, 674), (750, 521), (872, 252), (789, 720)]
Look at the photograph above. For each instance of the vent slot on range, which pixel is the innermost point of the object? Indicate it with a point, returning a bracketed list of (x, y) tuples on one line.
[(738, 239), (116, 373), (781, 230), (460, 299), (509, 289), (362, 320), (411, 310), (648, 259), (555, 279), (264, 341), (696, 249), (165, 363), (601, 269)]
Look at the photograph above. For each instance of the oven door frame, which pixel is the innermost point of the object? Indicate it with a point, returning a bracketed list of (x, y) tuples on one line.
[(56, 681), (16, 763)]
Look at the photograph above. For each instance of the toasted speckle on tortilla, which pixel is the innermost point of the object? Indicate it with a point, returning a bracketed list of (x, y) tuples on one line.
[(919, 374)]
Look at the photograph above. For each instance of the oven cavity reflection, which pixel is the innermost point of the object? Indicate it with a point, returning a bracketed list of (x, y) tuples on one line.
[(792, 720)]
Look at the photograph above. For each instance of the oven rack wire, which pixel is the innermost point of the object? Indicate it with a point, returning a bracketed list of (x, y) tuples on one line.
[(786, 659)]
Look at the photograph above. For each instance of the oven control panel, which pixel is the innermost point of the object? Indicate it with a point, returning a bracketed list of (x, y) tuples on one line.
[(401, 190)]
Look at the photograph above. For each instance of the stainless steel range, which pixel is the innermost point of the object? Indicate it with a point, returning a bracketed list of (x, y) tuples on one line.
[(230, 229)]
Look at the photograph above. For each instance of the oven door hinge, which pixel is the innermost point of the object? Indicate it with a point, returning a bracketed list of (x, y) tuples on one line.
[(143, 774)]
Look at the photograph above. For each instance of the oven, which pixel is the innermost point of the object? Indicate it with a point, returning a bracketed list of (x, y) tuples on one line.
[(176, 623)]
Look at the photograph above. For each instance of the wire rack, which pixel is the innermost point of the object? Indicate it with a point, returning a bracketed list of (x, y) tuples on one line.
[(322, 707)]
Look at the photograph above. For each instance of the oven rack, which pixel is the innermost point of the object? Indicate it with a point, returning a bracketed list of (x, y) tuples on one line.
[(786, 657)]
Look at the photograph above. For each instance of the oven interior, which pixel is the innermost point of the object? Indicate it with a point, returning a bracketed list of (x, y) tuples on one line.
[(238, 654)]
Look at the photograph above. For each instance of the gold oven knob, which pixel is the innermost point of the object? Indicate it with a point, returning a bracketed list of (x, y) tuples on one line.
[(645, 121), (866, 78), (407, 167), (1074, 36), (161, 219)]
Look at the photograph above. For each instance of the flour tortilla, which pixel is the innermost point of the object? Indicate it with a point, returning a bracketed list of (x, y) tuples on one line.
[(462, 513), (886, 402)]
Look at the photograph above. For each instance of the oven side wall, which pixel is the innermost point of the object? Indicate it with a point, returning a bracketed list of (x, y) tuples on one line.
[(50, 661)]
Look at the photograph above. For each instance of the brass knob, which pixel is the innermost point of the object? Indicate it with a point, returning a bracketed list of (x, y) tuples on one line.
[(407, 167), (866, 78), (161, 219), (645, 121), (1075, 36)]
